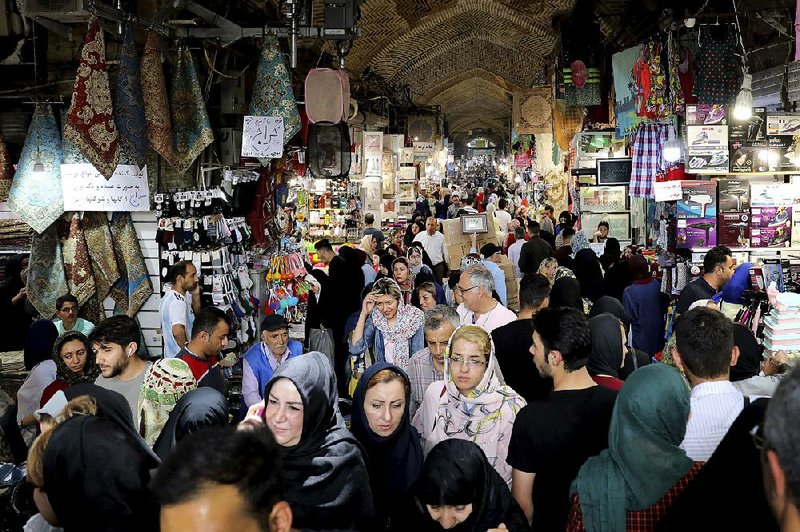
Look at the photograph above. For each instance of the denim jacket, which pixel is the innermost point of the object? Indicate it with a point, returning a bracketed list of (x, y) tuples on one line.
[(374, 338)]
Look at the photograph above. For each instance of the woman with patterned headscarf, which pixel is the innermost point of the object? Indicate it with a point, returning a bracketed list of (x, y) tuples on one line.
[(472, 403), (75, 363), (165, 383)]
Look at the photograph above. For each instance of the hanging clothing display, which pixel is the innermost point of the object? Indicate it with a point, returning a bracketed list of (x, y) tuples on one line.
[(90, 122), (37, 197), (718, 74), (673, 70), (272, 92), (192, 131), (647, 155), (128, 104), (77, 264), (154, 94), (46, 280), (134, 285)]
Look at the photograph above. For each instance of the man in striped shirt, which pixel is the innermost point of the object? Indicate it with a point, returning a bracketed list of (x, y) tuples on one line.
[(427, 366), (704, 350)]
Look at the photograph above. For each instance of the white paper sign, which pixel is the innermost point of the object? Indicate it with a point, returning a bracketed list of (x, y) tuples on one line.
[(424, 147), (667, 190), (85, 189), (262, 137)]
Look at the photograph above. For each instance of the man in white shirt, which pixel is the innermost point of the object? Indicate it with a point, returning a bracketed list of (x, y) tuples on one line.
[(705, 351), (515, 249), (67, 310), (476, 285), (180, 303), (433, 242), (502, 215)]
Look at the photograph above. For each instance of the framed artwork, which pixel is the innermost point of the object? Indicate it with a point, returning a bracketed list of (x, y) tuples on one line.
[(408, 174), (619, 224), (407, 156), (389, 188), (389, 161), (405, 192), (594, 145), (474, 223), (373, 143), (603, 199)]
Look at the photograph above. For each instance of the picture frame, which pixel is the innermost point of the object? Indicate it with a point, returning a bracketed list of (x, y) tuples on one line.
[(474, 223), (407, 174), (603, 198), (614, 171), (405, 192), (619, 224)]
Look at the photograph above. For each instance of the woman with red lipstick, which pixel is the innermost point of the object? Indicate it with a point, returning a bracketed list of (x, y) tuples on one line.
[(472, 403)]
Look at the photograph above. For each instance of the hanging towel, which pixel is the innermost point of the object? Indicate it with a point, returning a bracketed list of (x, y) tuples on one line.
[(128, 103), (272, 91), (134, 285), (46, 281), (77, 264), (154, 93), (192, 131), (37, 198), (5, 170), (90, 120)]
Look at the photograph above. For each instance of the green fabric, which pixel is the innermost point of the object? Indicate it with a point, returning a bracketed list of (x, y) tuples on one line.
[(643, 460)]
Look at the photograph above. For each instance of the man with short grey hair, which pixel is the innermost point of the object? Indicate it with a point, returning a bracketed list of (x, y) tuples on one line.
[(427, 365), (479, 307), (780, 461)]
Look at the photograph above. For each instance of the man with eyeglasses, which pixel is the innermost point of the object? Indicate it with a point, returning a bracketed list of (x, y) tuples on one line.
[(718, 267), (67, 310), (480, 308), (427, 366)]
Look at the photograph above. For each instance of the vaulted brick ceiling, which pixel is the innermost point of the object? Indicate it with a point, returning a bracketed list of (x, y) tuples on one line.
[(468, 56)]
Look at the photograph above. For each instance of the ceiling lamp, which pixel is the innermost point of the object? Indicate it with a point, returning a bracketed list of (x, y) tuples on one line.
[(743, 109)]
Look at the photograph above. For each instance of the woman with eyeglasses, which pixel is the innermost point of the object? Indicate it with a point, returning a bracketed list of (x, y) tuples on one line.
[(392, 330), (472, 403), (608, 351)]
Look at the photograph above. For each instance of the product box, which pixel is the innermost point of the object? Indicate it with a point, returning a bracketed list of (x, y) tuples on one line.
[(770, 216), (697, 233), (699, 199), (706, 114), (706, 137), (793, 277), (708, 161), (751, 132), (733, 229), (734, 195), (771, 237), (773, 273), (772, 194), (747, 159)]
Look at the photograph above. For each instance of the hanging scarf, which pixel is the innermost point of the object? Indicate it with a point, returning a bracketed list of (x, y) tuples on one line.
[(164, 384), (326, 482), (129, 114), (485, 417), (396, 337), (643, 460), (272, 92), (192, 131), (90, 121), (393, 462), (90, 369), (37, 198), (104, 262), (77, 264), (46, 279), (134, 285), (5, 170), (154, 94)]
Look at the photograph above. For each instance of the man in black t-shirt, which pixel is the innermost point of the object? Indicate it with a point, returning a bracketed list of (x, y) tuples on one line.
[(552, 438), (718, 267), (512, 342)]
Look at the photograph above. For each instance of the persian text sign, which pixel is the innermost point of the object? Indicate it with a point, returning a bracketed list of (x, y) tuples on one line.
[(85, 189), (262, 137)]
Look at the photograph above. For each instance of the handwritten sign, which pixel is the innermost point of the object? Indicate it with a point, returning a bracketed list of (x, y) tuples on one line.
[(262, 137), (424, 147), (667, 190), (85, 189)]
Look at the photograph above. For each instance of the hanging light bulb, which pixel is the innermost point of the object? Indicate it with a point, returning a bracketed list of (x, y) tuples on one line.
[(743, 109)]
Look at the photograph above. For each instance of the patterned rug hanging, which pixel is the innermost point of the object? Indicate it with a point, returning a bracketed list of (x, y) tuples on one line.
[(192, 131), (134, 285), (272, 92), (128, 104), (77, 264), (5, 170), (36, 196), (46, 281), (156, 105), (101, 245), (90, 121)]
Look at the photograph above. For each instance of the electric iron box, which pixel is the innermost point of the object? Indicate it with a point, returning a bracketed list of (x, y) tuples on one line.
[(699, 199), (771, 237), (706, 114), (697, 233), (733, 229), (771, 216), (734, 195)]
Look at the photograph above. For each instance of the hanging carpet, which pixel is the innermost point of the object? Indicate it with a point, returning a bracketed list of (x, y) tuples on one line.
[(192, 131), (46, 281), (104, 262), (128, 104), (154, 94), (77, 264), (272, 92), (5, 170), (134, 286)]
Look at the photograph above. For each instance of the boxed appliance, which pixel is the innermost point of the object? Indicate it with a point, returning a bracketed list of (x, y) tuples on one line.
[(771, 237), (770, 216), (733, 229), (699, 199), (734, 195), (697, 233), (706, 114)]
